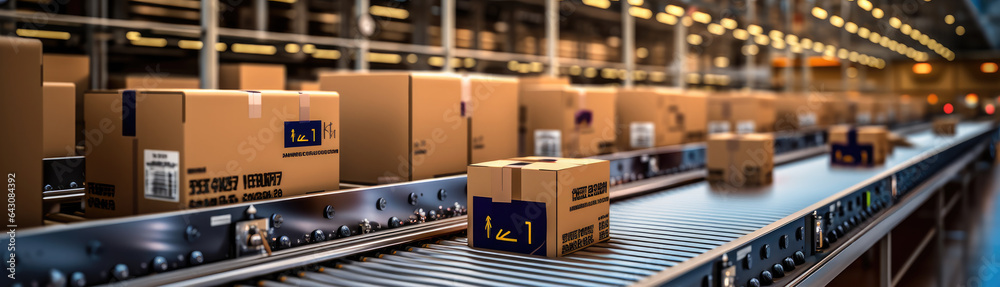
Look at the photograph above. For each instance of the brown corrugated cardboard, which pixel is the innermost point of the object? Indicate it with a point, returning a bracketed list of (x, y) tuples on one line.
[(274, 144), (155, 81), (21, 114), (744, 113), (540, 206), (59, 119), (569, 121), (303, 86), (252, 76), (491, 104), (740, 160), (70, 69), (693, 107), (110, 169), (400, 126), (944, 125), (525, 84), (847, 151), (797, 111), (648, 118)]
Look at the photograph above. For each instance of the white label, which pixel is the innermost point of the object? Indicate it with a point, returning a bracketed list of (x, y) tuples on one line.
[(718, 127), (162, 175), (807, 119), (863, 118), (224, 219), (548, 143), (641, 134), (745, 127)]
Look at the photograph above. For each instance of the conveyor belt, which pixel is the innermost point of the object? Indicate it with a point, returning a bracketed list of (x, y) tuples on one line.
[(649, 233)]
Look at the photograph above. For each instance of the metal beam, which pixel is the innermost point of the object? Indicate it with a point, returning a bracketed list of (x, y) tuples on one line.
[(628, 43), (208, 61), (552, 36), (362, 42), (448, 33), (260, 14)]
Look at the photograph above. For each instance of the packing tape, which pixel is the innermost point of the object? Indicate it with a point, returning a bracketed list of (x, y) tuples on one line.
[(303, 106), (253, 99), (581, 97), (128, 113), (466, 96)]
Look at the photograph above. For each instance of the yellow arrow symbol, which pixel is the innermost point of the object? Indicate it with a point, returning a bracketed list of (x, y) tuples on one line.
[(488, 226), (504, 236)]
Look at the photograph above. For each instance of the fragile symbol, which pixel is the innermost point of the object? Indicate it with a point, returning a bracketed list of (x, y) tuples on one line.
[(488, 226), (504, 236)]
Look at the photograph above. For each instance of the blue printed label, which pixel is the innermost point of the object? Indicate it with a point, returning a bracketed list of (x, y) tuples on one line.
[(517, 226), (303, 133)]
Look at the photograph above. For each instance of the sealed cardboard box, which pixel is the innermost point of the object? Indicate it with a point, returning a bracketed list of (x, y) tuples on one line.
[(740, 160), (491, 105), (569, 122), (742, 113), (859, 146), (252, 76), (648, 118), (525, 84), (693, 108), (21, 110), (944, 125), (110, 151), (198, 148), (400, 126), (59, 119), (70, 69), (156, 81), (303, 86), (538, 206)]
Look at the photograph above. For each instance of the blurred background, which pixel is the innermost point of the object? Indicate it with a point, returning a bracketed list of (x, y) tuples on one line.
[(933, 50)]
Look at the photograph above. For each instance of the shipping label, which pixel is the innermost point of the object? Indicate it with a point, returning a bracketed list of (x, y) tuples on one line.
[(548, 143), (641, 134), (161, 175)]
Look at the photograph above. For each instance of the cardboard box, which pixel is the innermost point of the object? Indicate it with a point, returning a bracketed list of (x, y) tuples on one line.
[(401, 126), (740, 160), (303, 86), (869, 110), (525, 84), (154, 81), (796, 111), (944, 125), (569, 121), (175, 149), (860, 146), (66, 68), (538, 206), (21, 111), (252, 76), (59, 119), (491, 105), (693, 107), (648, 118), (744, 113)]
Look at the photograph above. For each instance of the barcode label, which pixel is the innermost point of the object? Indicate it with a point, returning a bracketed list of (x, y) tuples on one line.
[(162, 175), (548, 143), (641, 134), (745, 127), (715, 127), (807, 119), (863, 118)]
